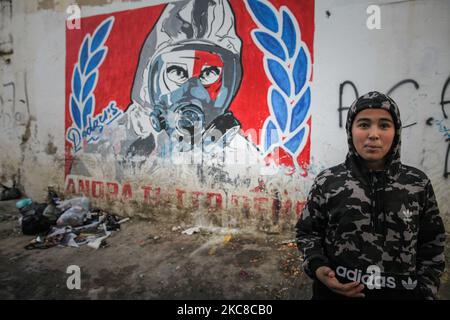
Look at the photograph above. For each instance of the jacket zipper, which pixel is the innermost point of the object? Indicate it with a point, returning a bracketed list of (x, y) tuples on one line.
[(376, 203)]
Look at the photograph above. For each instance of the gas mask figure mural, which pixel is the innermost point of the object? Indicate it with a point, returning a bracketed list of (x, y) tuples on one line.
[(189, 71), (176, 99)]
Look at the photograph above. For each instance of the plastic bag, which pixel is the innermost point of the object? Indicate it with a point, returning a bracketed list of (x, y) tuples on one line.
[(51, 212), (80, 201), (33, 221), (73, 216)]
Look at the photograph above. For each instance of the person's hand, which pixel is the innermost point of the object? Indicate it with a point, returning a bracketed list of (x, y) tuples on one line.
[(327, 276)]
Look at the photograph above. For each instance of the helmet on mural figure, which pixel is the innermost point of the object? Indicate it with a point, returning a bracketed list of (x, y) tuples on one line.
[(189, 68)]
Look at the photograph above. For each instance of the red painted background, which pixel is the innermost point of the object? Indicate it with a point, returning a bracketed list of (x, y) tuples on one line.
[(128, 34)]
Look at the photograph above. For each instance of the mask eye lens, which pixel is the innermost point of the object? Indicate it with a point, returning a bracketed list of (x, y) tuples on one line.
[(210, 74), (177, 73)]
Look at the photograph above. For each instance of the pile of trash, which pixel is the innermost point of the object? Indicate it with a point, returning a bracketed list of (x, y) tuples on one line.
[(8, 193), (66, 223)]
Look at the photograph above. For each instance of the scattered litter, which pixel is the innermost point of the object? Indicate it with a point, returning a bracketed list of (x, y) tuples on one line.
[(75, 210), (51, 212), (32, 220), (123, 220), (176, 228), (69, 240), (217, 230), (191, 231), (23, 203), (76, 224), (97, 242), (79, 201), (112, 222), (73, 216)]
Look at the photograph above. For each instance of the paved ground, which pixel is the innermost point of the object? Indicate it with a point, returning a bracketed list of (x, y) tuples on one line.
[(136, 265)]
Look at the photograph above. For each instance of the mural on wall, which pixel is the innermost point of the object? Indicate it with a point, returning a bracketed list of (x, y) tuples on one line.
[(209, 83)]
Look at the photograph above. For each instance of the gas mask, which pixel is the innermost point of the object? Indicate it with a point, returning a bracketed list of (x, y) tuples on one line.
[(190, 90)]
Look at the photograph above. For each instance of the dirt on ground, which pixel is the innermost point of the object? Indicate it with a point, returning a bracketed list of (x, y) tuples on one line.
[(155, 260), (148, 260)]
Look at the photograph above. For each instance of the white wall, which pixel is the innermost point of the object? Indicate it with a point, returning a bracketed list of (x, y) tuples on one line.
[(413, 43)]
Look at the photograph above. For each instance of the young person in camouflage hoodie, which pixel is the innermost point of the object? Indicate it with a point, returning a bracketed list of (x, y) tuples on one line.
[(371, 227)]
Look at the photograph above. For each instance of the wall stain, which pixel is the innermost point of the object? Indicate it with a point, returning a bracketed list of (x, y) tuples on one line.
[(51, 148), (27, 134), (46, 4)]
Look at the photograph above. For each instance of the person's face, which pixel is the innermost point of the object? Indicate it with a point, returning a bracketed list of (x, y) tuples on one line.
[(181, 66), (188, 89), (373, 132)]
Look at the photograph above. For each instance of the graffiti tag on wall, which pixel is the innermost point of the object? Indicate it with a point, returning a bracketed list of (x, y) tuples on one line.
[(159, 197)]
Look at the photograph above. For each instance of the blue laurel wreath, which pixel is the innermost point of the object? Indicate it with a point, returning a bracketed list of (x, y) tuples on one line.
[(287, 65), (85, 74)]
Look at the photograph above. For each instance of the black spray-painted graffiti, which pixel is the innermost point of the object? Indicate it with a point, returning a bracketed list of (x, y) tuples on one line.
[(12, 113), (442, 128), (430, 121), (444, 102), (341, 108)]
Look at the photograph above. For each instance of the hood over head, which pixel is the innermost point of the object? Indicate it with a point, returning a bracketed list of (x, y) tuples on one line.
[(375, 100)]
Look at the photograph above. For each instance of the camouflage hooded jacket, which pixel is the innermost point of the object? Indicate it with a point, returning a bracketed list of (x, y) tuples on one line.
[(356, 218)]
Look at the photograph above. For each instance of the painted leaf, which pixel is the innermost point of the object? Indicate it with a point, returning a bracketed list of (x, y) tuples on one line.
[(300, 69), (264, 14), (88, 109), (101, 33), (288, 34), (271, 135), (76, 115), (294, 143), (279, 75), (84, 54), (76, 83), (300, 110), (279, 108), (89, 85), (95, 61), (271, 44)]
